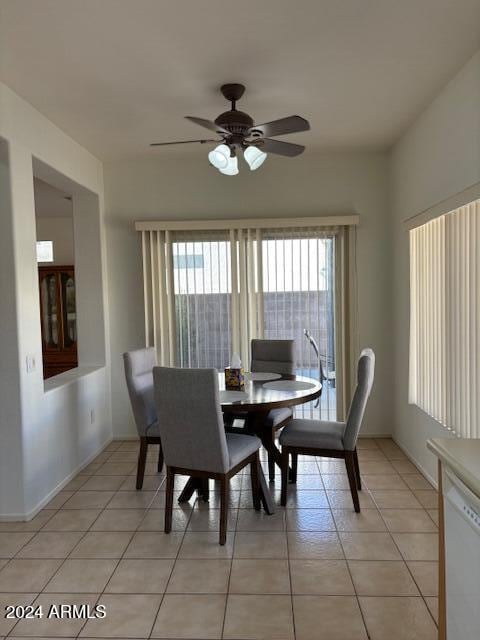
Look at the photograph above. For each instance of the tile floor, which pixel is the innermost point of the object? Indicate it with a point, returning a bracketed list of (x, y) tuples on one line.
[(313, 571)]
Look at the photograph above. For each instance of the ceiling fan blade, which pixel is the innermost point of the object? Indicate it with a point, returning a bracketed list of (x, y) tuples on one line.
[(290, 124), (280, 148), (163, 144), (208, 124)]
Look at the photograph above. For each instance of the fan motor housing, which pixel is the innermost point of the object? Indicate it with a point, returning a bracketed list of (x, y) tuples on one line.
[(235, 121)]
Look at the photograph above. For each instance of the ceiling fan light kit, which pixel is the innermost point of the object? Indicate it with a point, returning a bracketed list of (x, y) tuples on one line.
[(237, 132)]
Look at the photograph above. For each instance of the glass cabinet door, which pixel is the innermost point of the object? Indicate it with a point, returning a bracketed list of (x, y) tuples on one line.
[(67, 285), (49, 305)]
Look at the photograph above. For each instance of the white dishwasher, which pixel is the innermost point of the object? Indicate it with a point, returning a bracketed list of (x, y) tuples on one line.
[(462, 561)]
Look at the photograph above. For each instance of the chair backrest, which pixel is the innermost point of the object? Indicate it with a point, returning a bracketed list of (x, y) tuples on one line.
[(139, 376), (190, 419), (365, 375), (273, 356)]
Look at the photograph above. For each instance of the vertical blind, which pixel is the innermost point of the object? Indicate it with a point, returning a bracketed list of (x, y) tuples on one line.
[(444, 376), (209, 292)]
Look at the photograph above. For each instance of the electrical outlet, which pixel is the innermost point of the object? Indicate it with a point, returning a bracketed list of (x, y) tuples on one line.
[(92, 416), (31, 363)]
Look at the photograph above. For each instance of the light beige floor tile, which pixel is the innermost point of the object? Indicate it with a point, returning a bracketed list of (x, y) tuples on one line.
[(395, 500), (154, 519), (383, 468), (426, 576), (55, 626), (384, 483), (328, 618), (91, 468), (72, 520), (204, 544), (314, 545), (416, 482), (433, 513), (131, 500), (382, 578), (336, 482), (307, 467), (408, 520), (3, 562), (102, 544), (251, 520), (428, 499), (309, 482), (59, 500), (11, 543), (321, 577), (417, 546), (88, 500), (343, 499), (115, 469), (369, 546), (190, 616), (159, 501), (118, 520), (207, 519), (35, 524), (51, 544), (103, 483), (397, 618), (150, 483), (405, 467), (200, 576), (367, 520), (27, 575), (367, 443), (154, 545), (82, 576), (129, 445), (253, 617), (15, 599), (371, 455), (140, 576), (329, 466), (260, 544), (310, 520), (76, 483), (312, 499), (260, 576), (432, 604), (123, 456), (102, 457), (128, 616)]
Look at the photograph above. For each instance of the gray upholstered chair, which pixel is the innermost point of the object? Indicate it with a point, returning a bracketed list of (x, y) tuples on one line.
[(194, 439), (139, 377), (332, 439), (274, 356)]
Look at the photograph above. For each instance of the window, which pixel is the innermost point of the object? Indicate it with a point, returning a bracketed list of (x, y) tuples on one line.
[(209, 290), (444, 376), (44, 251)]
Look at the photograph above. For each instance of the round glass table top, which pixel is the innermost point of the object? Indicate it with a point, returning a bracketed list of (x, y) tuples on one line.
[(260, 396)]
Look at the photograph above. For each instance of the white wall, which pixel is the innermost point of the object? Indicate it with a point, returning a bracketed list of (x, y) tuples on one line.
[(181, 184), (48, 434), (436, 159), (60, 231)]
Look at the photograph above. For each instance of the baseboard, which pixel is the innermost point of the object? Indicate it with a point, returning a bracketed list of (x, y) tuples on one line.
[(25, 517), (413, 460)]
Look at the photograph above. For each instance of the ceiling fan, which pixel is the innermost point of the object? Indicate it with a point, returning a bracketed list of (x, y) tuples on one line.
[(237, 132)]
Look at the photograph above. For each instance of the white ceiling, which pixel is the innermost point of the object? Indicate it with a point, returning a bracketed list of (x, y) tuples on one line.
[(51, 202), (118, 74)]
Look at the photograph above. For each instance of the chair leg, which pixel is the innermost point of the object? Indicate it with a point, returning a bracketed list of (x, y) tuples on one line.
[(160, 459), (224, 490), (204, 491), (283, 495), (293, 473), (352, 479), (142, 459), (255, 482), (169, 499), (357, 469)]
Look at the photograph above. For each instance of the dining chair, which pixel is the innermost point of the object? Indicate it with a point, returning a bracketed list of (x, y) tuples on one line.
[(274, 356), (194, 439), (139, 377), (331, 439)]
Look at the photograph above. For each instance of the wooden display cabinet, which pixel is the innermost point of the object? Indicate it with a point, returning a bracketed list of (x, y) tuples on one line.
[(58, 317)]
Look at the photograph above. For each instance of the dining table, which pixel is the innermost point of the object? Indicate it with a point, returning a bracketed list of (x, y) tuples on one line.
[(262, 393)]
